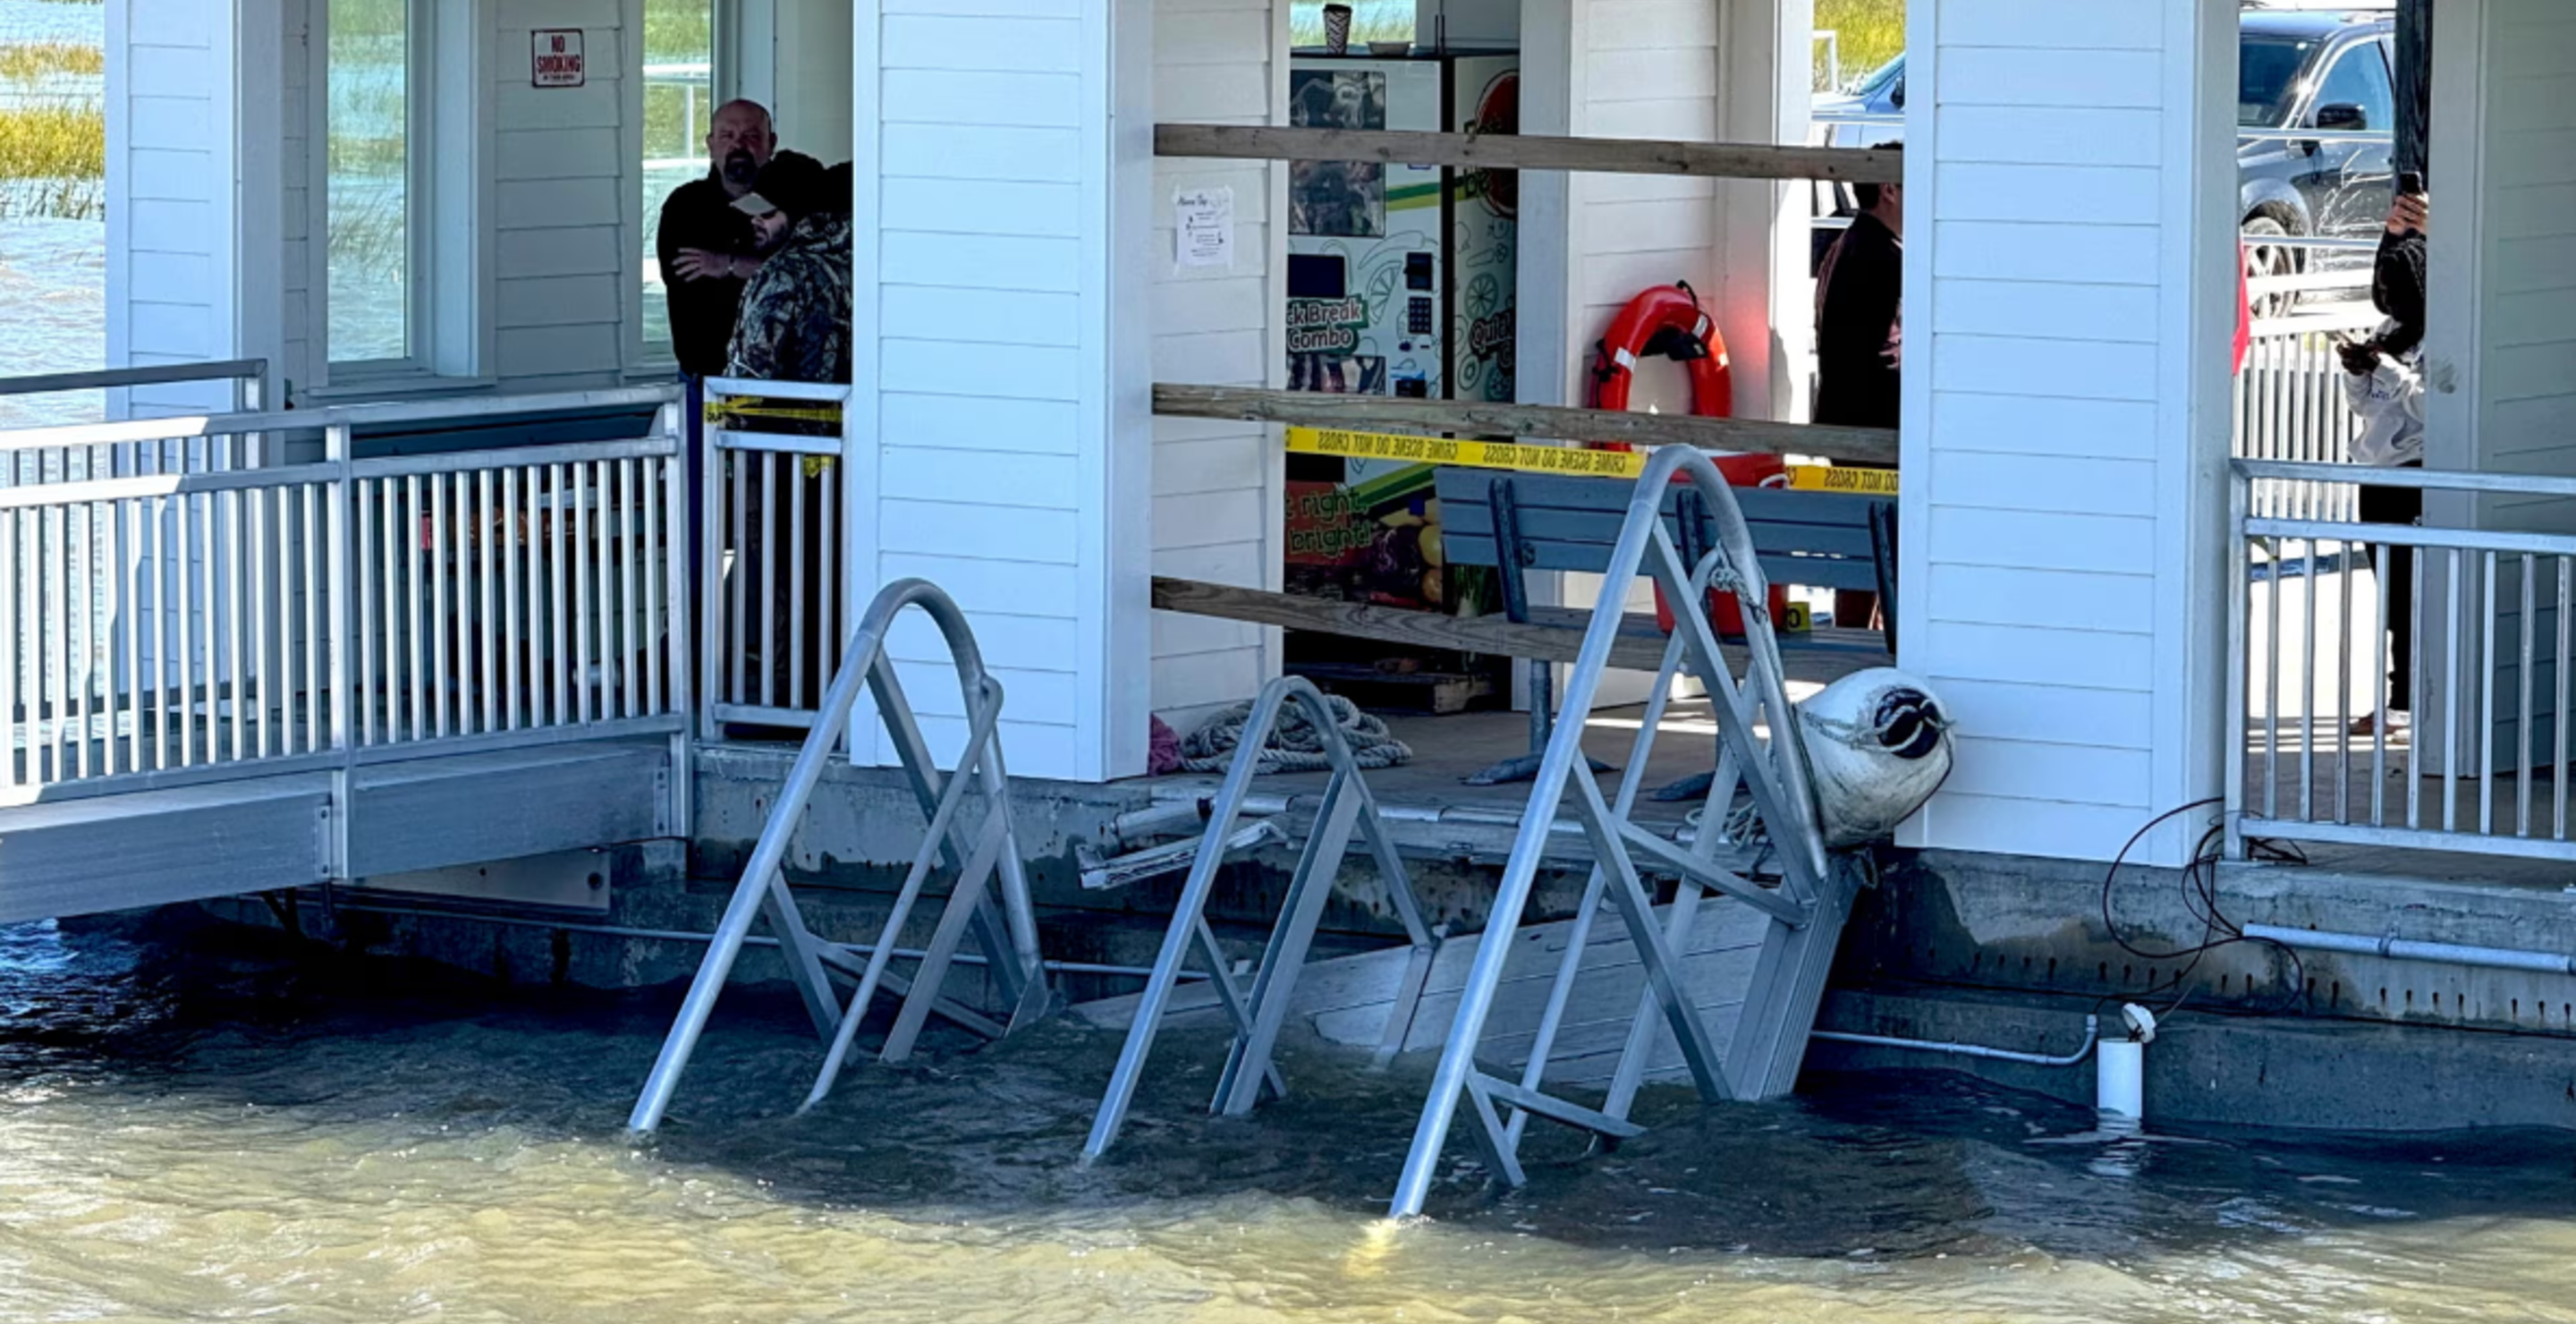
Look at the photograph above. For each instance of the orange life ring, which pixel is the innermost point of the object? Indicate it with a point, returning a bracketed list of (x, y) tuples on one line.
[(1668, 320), (1665, 320)]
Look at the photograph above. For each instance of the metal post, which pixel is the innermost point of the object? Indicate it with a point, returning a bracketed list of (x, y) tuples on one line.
[(2239, 570)]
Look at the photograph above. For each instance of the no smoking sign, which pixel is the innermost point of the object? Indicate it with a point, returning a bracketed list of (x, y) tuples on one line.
[(556, 58)]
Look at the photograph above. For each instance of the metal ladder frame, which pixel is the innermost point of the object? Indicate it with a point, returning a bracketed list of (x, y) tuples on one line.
[(979, 854), (1805, 912), (1347, 808)]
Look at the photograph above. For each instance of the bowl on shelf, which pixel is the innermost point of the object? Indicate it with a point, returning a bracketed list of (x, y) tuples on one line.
[(1390, 48)]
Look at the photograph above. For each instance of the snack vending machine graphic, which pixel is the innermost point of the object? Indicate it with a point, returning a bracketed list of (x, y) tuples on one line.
[(1401, 278), (1401, 282)]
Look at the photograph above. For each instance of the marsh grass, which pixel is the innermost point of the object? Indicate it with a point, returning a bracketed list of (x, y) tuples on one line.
[(35, 61), (53, 140), (1371, 20)]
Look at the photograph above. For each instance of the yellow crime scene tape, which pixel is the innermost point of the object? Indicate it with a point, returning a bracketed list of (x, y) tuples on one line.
[(721, 412), (718, 413), (1468, 454), (1552, 459), (1838, 478)]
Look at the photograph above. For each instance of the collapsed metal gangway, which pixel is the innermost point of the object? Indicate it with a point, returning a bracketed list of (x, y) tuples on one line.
[(1760, 814), (1760, 754), (978, 845), (1347, 810)]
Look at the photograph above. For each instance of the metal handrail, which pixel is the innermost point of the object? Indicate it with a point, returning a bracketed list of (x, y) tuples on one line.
[(978, 857), (252, 371), (190, 426), (2435, 480), (2364, 136)]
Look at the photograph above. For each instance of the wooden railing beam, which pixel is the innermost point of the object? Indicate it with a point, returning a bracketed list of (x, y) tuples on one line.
[(1490, 636), (1619, 156)]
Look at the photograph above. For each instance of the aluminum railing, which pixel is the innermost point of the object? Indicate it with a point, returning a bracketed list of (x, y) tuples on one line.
[(144, 449), (247, 377), (776, 594), (194, 624), (2486, 663), (976, 847), (2290, 406)]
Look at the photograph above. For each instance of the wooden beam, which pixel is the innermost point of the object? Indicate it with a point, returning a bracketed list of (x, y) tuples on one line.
[(1485, 419), (1490, 635), (1620, 156)]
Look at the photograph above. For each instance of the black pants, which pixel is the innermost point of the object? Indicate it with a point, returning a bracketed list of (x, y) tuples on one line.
[(2398, 505)]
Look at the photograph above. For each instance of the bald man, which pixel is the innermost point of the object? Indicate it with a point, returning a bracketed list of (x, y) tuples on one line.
[(707, 248)]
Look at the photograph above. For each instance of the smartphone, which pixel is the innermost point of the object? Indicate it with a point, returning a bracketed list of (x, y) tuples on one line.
[(2410, 182)]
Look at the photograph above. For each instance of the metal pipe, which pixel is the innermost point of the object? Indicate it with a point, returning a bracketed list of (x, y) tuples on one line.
[(691, 936), (111, 379), (2092, 1036), (2407, 949), (2437, 480)]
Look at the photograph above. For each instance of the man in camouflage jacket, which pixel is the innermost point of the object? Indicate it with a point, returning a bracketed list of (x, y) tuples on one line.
[(795, 320), (795, 326)]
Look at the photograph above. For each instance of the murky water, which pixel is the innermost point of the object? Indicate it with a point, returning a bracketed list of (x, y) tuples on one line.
[(53, 273), (51, 20), (251, 1130), (53, 314)]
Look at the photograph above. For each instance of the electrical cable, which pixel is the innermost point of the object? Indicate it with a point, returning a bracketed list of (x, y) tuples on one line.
[(2198, 883)]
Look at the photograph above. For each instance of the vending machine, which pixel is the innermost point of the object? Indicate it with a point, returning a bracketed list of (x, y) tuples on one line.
[(1401, 278), (1401, 282)]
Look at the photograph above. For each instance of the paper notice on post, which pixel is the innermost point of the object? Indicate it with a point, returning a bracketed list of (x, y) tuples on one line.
[(1203, 226)]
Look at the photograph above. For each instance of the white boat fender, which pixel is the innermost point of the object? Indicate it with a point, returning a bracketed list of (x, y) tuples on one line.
[(1878, 742)]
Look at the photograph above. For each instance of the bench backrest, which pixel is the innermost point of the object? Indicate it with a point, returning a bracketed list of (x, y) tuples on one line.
[(1817, 539)]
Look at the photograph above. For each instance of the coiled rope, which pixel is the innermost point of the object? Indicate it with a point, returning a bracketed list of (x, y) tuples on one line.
[(1295, 745)]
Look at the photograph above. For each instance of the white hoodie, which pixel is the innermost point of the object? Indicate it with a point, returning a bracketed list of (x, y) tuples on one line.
[(2390, 402)]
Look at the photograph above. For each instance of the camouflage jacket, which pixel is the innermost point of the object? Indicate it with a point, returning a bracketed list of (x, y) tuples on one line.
[(795, 323)]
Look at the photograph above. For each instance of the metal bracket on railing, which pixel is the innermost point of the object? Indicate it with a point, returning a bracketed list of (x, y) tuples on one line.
[(1802, 917), (979, 844), (1347, 809)]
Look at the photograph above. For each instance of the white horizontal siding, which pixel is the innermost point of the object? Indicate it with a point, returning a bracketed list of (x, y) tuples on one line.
[(984, 345), (2047, 511), (295, 212), (1646, 69), (1218, 492), (172, 214), (566, 267), (2526, 347)]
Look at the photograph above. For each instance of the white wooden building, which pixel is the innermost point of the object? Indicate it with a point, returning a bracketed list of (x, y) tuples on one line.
[(2071, 194)]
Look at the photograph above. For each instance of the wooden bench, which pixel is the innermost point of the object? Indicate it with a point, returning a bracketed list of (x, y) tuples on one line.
[(1553, 522), (1517, 522)]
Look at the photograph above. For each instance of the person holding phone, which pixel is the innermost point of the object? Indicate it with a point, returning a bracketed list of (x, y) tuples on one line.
[(2385, 387)]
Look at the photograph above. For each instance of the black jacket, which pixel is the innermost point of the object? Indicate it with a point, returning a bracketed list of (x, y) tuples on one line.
[(1859, 307), (699, 214)]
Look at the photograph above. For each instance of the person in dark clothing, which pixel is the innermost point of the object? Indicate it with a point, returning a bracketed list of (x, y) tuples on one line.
[(1860, 296), (2381, 376), (794, 324), (706, 248), (1860, 320)]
